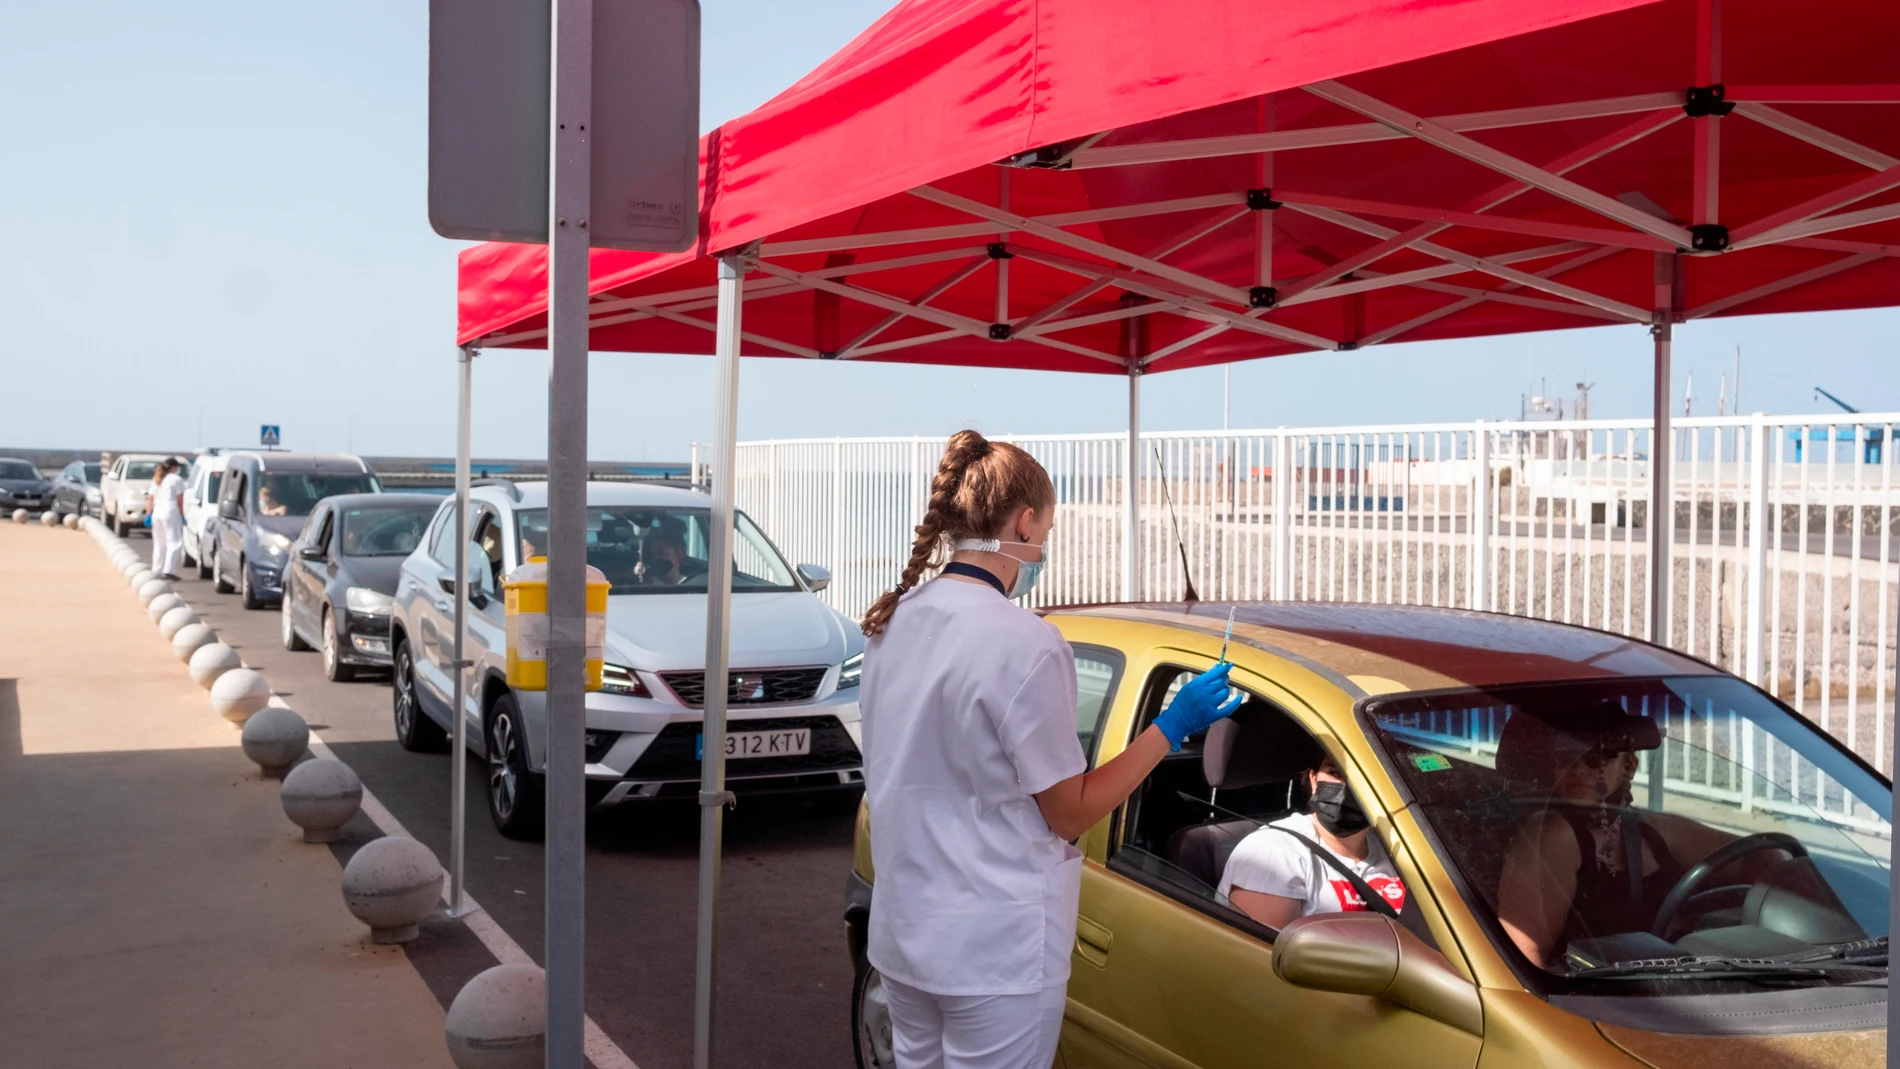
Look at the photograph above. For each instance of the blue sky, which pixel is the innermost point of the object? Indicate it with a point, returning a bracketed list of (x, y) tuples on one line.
[(214, 217)]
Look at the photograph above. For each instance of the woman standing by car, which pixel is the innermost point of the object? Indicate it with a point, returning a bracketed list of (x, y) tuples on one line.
[(975, 778), (168, 519)]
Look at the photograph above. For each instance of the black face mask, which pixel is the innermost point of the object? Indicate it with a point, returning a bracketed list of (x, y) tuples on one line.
[(1337, 810)]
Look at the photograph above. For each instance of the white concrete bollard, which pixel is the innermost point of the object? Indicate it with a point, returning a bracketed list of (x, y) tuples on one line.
[(141, 576), (239, 693), (320, 797), (190, 638), (49, 518), (162, 604), (391, 884), (499, 1020), (276, 739), (177, 619), (71, 522), (212, 660), (152, 588)]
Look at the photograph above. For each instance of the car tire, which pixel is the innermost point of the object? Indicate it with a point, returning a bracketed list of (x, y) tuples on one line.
[(292, 640), (218, 582), (120, 527), (870, 1020), (246, 593), (514, 792), (334, 668), (204, 567), (415, 731)]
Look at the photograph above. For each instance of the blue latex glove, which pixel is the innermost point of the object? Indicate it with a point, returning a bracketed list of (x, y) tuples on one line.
[(1197, 705)]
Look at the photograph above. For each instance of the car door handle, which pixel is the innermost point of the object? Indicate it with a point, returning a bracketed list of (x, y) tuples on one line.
[(1092, 941)]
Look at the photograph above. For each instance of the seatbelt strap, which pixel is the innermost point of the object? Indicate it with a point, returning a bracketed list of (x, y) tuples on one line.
[(1374, 900)]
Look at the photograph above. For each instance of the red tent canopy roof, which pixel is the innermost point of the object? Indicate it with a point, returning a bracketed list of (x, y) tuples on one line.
[(1184, 184)]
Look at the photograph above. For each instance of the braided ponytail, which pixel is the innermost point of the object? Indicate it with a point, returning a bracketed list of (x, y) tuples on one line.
[(977, 486)]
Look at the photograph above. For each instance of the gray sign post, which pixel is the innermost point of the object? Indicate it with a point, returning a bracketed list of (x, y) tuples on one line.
[(572, 123)]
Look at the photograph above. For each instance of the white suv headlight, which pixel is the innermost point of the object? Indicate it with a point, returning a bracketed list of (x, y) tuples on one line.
[(851, 672), (367, 602)]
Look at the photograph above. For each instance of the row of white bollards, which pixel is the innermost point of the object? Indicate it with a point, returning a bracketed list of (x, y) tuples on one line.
[(498, 1020)]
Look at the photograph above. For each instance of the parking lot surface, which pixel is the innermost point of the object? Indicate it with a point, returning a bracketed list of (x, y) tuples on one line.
[(784, 974)]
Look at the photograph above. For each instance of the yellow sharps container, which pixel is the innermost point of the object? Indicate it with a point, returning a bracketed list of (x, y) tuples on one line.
[(526, 593)]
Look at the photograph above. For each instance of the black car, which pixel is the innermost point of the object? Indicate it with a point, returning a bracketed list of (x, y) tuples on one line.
[(261, 508), (22, 486), (342, 572), (76, 489)]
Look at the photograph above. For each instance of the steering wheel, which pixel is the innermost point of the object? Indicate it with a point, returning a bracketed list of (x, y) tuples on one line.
[(1700, 872)]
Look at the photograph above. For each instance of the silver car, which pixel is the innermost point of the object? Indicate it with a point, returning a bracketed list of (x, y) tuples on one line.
[(793, 698)]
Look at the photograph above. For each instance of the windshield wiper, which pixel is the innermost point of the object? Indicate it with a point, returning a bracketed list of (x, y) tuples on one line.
[(1717, 966), (1871, 953)]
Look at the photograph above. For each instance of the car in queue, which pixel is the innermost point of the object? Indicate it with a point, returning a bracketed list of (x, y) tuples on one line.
[(76, 489), (263, 500), (201, 510), (340, 577), (1763, 942), (792, 691), (22, 486), (125, 490)]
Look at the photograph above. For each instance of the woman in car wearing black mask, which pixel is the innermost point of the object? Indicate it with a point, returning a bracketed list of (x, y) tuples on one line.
[(1275, 874)]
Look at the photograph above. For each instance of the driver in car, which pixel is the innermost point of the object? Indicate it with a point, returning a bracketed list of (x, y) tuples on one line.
[(664, 564), (1587, 864), (267, 502), (1274, 877)]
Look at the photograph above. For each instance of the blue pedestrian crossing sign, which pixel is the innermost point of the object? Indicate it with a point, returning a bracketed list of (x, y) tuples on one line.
[(269, 434)]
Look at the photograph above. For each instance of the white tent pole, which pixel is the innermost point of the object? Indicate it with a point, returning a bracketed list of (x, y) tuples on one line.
[(565, 750), (713, 797), (1131, 492), (1661, 452), (458, 768)]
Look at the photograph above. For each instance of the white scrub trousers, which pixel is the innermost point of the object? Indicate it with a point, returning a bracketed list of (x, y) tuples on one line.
[(975, 1031), (168, 544)]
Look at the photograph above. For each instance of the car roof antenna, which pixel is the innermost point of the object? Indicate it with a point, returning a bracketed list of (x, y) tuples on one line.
[(1186, 573)]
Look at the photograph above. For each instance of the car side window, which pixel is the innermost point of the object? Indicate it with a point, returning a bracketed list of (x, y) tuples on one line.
[(486, 534), (1181, 826), (316, 531), (442, 538), (1098, 670)]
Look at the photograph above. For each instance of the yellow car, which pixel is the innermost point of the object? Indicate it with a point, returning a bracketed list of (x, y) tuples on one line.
[(1756, 935)]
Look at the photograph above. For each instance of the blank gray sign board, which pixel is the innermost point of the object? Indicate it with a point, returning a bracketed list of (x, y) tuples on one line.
[(488, 122)]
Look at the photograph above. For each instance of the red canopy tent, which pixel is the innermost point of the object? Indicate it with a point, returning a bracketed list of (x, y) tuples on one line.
[(1128, 187)]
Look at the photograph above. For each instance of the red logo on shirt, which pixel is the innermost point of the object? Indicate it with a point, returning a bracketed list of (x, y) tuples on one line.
[(1390, 888)]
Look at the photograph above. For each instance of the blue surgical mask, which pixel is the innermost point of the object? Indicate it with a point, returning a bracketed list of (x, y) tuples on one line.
[(1027, 572)]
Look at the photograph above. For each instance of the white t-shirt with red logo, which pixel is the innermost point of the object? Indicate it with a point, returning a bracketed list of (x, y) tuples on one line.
[(1275, 863)]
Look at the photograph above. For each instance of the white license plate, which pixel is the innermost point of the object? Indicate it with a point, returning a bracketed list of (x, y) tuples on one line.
[(742, 744)]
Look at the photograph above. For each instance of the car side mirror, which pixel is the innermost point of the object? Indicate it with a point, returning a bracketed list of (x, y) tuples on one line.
[(311, 553), (229, 510), (815, 576), (1370, 954)]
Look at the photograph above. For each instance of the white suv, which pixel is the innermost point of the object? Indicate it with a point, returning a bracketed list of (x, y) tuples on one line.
[(793, 698), (201, 511), (125, 491)]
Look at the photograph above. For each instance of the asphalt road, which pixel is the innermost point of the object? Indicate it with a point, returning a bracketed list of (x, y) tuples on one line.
[(784, 974)]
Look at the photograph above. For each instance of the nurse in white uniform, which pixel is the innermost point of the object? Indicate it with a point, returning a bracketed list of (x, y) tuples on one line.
[(975, 780), (168, 521)]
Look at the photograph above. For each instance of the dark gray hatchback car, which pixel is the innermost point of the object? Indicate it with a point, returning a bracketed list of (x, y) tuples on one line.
[(261, 509), (342, 573)]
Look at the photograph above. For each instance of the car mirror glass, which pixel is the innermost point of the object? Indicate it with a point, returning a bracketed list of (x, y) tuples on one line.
[(311, 553), (480, 581), (1369, 954)]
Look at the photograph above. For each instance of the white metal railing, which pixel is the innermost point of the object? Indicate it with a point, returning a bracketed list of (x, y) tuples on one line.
[(1784, 558)]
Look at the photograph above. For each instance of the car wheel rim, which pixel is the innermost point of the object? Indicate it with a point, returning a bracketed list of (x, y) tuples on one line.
[(874, 1023), (501, 768), (405, 709)]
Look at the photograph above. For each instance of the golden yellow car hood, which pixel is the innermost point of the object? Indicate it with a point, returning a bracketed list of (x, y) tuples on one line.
[(1809, 1050)]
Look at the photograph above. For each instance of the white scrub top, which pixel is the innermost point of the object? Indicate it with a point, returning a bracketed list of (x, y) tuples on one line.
[(968, 707), (1274, 863), (165, 498)]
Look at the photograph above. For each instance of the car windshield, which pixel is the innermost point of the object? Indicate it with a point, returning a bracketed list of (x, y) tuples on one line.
[(384, 530), (14, 469), (295, 493), (1757, 837), (92, 474), (657, 550), (140, 469)]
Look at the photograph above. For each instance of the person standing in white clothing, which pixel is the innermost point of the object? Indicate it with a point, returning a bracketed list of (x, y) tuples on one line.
[(168, 521), (975, 779)]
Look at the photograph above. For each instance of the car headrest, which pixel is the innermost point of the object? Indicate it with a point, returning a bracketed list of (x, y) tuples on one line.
[(1258, 744)]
